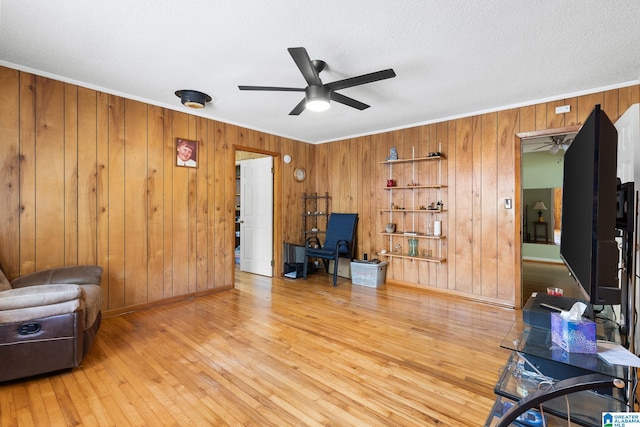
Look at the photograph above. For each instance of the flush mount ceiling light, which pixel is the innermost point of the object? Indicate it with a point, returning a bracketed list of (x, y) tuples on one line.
[(193, 98), (317, 98)]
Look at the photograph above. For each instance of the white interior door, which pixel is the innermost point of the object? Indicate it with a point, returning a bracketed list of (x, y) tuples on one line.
[(628, 126), (628, 137), (256, 216)]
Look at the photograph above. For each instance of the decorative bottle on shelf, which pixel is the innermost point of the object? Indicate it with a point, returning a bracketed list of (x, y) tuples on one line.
[(397, 248), (413, 247)]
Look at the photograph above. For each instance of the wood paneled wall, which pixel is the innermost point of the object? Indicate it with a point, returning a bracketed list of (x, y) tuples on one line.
[(481, 170), (89, 177)]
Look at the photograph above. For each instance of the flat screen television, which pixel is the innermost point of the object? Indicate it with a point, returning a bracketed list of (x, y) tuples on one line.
[(587, 244)]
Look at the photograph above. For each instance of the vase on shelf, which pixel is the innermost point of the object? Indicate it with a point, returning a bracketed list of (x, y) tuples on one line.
[(413, 247)]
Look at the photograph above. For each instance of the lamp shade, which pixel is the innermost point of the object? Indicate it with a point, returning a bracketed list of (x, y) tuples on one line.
[(193, 98), (539, 206)]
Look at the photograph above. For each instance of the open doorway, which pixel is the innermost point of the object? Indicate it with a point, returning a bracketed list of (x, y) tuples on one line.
[(539, 210), (254, 211)]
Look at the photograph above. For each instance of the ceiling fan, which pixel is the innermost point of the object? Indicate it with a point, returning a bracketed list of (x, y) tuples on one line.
[(318, 94), (557, 142)]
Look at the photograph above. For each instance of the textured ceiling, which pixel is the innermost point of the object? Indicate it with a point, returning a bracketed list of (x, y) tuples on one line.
[(452, 57)]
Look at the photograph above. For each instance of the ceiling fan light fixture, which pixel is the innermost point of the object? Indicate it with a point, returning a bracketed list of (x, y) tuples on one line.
[(317, 98), (554, 149), (193, 98), (318, 95)]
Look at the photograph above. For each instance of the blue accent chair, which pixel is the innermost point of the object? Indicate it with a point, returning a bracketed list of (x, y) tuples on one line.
[(339, 243)]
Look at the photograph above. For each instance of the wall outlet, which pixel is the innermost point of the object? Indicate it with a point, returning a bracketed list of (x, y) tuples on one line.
[(563, 109), (507, 203)]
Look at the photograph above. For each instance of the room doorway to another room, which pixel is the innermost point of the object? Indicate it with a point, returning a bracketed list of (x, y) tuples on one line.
[(254, 213), (540, 210)]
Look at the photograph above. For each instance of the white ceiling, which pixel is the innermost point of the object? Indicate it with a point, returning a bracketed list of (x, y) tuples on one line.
[(452, 58)]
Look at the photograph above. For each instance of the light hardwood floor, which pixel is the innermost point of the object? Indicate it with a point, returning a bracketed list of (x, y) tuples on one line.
[(537, 276), (281, 352)]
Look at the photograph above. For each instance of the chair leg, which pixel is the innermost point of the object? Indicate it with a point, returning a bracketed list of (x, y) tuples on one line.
[(335, 272), (304, 267)]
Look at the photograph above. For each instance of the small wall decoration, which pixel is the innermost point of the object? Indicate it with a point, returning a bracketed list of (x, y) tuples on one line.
[(299, 174), (393, 154), (186, 153)]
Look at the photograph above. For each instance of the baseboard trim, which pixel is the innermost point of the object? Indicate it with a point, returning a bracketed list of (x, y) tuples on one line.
[(455, 294), (165, 301)]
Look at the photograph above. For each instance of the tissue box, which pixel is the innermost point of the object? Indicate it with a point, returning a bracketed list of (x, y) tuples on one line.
[(575, 336)]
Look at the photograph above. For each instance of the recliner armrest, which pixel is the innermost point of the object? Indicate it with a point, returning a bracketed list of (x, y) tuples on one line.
[(34, 302), (39, 295), (72, 274)]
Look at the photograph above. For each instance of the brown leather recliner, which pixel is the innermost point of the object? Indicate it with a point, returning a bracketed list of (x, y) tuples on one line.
[(48, 319)]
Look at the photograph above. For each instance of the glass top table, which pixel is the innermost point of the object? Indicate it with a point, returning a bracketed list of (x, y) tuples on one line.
[(536, 341)]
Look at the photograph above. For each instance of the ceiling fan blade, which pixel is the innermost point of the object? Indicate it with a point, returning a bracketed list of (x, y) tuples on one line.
[(302, 60), (348, 101), (544, 147), (360, 80), (298, 108), (272, 88)]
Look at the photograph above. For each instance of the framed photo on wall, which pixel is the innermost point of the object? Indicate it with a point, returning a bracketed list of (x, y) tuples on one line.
[(186, 153)]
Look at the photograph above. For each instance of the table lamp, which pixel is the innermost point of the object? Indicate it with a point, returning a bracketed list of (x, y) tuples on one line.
[(539, 206)]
